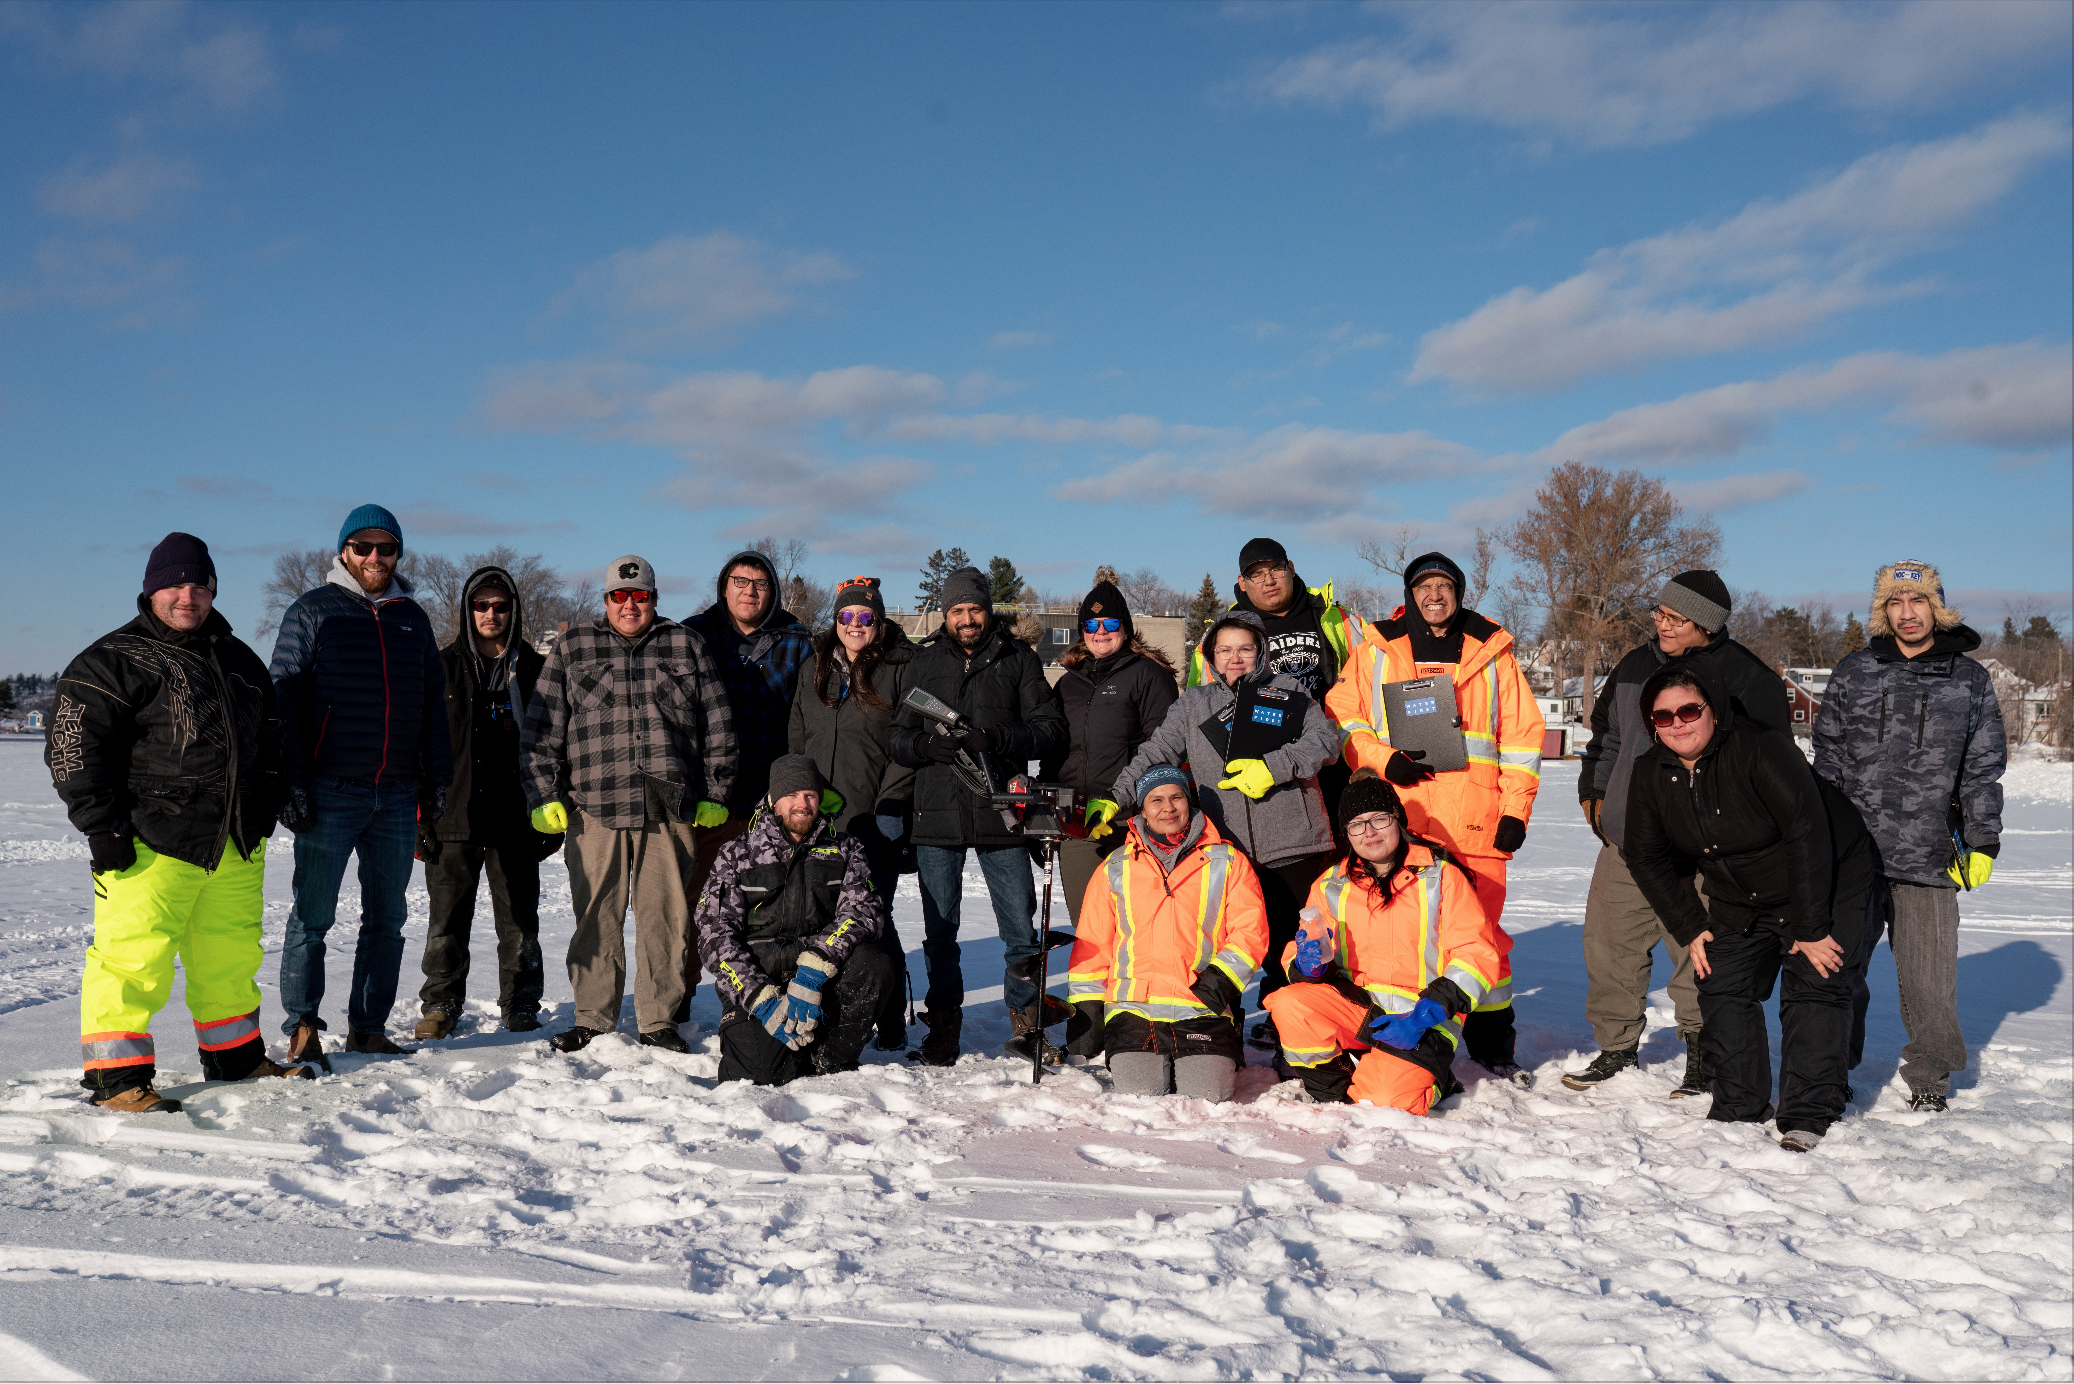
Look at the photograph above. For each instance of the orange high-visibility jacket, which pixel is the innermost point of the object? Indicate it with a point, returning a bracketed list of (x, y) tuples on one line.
[(1433, 926), (1500, 720), (1143, 934)]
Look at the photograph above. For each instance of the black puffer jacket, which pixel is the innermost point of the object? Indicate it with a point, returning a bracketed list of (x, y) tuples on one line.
[(1112, 705), (1620, 735), (1000, 686), (168, 736), (851, 742), (486, 703), (1773, 841)]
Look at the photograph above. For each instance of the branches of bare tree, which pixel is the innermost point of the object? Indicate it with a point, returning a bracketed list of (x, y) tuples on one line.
[(436, 581), (1148, 594), (296, 571), (1591, 555), (1393, 552)]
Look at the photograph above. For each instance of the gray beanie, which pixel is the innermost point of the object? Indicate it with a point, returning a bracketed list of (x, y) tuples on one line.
[(795, 773), (967, 586), (1700, 596)]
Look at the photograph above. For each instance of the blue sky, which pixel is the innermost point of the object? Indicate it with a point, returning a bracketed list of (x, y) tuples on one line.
[(1072, 284)]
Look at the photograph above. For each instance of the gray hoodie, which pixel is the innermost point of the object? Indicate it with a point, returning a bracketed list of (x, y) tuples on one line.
[(1290, 822)]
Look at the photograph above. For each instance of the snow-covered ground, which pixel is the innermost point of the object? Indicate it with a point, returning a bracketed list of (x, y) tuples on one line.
[(487, 1209)]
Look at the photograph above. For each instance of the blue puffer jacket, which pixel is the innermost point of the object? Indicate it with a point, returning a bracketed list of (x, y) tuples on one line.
[(361, 692)]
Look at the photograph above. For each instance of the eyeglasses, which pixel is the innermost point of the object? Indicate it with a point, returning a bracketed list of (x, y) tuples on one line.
[(1370, 825), (749, 584), (487, 607), (1687, 714), (1669, 617), (1102, 626), (860, 618), (362, 549), (1261, 571), (621, 597)]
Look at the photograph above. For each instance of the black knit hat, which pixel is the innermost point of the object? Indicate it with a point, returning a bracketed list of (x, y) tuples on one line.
[(862, 591), (967, 586), (1107, 603), (178, 559), (1367, 793), (1700, 596), (795, 773)]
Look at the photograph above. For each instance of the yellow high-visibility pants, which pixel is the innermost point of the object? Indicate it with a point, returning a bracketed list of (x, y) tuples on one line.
[(145, 917)]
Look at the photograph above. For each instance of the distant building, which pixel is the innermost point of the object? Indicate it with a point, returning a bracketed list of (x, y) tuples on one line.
[(1804, 691)]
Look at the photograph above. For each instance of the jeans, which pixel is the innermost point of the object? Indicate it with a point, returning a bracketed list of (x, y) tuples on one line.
[(380, 824), (941, 870)]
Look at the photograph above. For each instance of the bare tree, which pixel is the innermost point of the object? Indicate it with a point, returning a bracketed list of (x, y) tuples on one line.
[(1393, 552), (1592, 553), (786, 557), (295, 571), (811, 603), (1149, 594), (1369, 600)]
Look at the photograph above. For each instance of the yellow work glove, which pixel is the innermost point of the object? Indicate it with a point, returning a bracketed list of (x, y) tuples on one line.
[(550, 819), (831, 802), (1100, 813), (1250, 776), (708, 815), (1978, 868)]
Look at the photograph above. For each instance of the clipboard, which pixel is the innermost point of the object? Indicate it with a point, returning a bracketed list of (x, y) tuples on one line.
[(1264, 719), (1421, 715)]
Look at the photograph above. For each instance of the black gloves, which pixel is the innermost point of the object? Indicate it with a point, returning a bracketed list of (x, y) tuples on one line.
[(1404, 770), (992, 740), (1510, 833), (113, 851), (295, 811), (1593, 809), (1213, 988), (428, 844), (937, 749)]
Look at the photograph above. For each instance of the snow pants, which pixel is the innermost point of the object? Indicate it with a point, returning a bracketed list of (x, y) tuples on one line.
[(1197, 1057), (452, 879), (1489, 1034), (146, 916), (1814, 1031), (1319, 1023), (849, 1014)]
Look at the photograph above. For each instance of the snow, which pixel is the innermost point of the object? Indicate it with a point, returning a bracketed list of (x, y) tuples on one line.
[(487, 1208)]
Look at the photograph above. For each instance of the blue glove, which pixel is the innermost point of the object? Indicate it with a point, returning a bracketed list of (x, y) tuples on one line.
[(1403, 1031), (1311, 956), (803, 1001), (768, 1009), (890, 826)]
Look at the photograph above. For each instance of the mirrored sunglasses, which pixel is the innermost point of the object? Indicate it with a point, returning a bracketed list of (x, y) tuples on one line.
[(1107, 625), (623, 596), (486, 607), (860, 618)]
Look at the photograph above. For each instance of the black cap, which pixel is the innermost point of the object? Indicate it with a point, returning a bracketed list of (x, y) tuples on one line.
[(1106, 602), (1261, 550), (178, 559)]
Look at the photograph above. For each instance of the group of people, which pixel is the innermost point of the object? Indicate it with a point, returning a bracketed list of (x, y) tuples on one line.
[(1280, 808)]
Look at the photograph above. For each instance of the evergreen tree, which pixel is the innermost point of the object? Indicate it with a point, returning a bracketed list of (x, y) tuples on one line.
[(1203, 609), (7, 695), (1854, 635), (940, 565), (1004, 581)]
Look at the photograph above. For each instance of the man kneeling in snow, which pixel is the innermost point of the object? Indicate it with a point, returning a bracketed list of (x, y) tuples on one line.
[(779, 925)]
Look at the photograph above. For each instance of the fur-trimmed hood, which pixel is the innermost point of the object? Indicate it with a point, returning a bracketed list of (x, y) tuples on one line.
[(1898, 577)]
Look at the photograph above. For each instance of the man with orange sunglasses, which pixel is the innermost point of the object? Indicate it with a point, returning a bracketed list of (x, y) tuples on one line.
[(629, 747)]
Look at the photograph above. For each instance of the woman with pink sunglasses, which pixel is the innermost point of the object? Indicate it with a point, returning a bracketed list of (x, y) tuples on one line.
[(840, 717)]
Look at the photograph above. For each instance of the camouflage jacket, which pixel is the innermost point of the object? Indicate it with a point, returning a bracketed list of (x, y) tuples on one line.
[(835, 903), (1902, 737)]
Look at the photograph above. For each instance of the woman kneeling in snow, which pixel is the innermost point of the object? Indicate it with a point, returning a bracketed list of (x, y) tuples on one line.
[(1171, 929), (1393, 951)]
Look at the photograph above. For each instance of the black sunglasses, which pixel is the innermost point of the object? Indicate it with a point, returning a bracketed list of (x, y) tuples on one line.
[(1688, 713)]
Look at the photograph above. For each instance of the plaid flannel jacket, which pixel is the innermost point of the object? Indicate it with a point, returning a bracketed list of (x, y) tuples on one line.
[(612, 719)]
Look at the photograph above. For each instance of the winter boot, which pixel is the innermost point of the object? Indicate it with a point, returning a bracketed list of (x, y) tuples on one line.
[(940, 1048), (1799, 1140), (1028, 1035), (524, 1022), (1265, 1036), (436, 1024), (574, 1039), (1696, 1081), (1930, 1102), (268, 1067), (307, 1046), (375, 1045), (138, 1100), (1327, 1084), (1603, 1068), (668, 1039), (1512, 1072)]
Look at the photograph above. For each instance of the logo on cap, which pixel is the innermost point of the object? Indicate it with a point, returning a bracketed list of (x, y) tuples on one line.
[(629, 570), (1908, 574), (1096, 608)]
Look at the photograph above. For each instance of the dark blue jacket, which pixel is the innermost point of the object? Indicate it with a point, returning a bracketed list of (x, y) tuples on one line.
[(360, 689), (760, 672)]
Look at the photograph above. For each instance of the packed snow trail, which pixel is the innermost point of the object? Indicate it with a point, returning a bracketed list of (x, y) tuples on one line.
[(488, 1208)]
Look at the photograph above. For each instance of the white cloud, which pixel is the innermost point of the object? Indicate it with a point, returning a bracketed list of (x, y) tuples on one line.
[(209, 69), (1769, 273), (696, 290), (1016, 341), (1637, 75), (103, 274), (1732, 492), (121, 192)]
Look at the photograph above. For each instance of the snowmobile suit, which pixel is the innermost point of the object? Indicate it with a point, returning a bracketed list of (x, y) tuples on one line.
[(1431, 939), (1154, 942)]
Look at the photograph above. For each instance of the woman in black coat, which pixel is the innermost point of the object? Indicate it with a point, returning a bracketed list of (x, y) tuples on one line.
[(1788, 864), (840, 716)]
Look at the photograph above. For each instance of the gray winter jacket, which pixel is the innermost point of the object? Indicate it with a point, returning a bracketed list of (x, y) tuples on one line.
[(1901, 737), (1291, 821)]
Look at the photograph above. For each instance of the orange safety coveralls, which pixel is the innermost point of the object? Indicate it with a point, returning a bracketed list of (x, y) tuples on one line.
[(1433, 927)]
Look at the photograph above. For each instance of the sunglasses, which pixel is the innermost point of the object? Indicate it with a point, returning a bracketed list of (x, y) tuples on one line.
[(1686, 714), (1102, 626), (860, 618), (486, 607), (361, 549), (621, 597)]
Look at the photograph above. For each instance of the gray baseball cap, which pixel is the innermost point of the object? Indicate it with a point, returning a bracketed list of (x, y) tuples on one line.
[(629, 573)]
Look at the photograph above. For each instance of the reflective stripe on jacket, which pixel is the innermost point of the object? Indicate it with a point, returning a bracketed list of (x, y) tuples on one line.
[(1501, 722), (1144, 934)]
